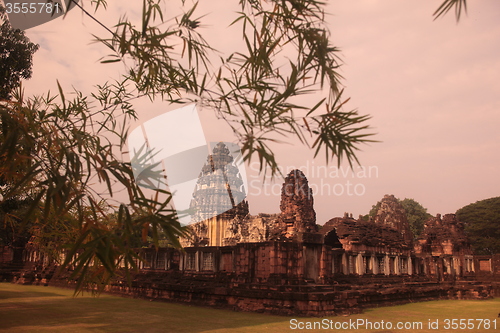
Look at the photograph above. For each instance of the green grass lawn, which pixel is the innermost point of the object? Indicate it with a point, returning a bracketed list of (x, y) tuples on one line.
[(47, 309)]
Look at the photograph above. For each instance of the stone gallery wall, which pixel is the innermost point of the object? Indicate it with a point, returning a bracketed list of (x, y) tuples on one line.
[(281, 263), (290, 278)]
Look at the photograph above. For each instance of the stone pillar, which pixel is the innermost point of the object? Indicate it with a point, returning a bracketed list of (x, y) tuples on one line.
[(272, 259), (397, 264), (216, 228), (360, 267), (374, 262), (326, 263), (447, 265), (410, 266), (387, 263), (345, 264)]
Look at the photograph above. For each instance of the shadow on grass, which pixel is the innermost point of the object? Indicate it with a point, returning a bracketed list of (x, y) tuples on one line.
[(24, 309), (5, 294)]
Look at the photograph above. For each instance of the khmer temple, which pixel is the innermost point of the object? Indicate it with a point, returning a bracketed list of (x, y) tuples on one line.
[(286, 263), (217, 199)]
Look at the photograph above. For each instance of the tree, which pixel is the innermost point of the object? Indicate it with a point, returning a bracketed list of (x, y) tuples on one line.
[(416, 214), (481, 220), (16, 55), (14, 232), (373, 211), (16, 52)]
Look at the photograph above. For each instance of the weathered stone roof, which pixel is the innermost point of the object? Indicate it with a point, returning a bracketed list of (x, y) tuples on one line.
[(444, 236), (360, 232)]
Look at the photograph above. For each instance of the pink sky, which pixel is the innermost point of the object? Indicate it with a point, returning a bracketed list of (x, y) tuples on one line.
[(431, 87)]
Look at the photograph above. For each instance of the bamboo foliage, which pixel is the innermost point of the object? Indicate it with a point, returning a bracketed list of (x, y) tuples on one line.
[(447, 5), (282, 84), (55, 151)]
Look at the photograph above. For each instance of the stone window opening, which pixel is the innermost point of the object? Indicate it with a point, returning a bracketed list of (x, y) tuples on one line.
[(148, 260), (161, 261), (381, 265), (367, 265), (191, 261), (352, 265), (336, 264), (469, 265), (332, 239), (226, 262), (485, 265), (392, 265), (208, 261), (404, 266)]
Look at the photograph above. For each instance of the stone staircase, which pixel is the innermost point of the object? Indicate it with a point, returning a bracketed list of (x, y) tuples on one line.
[(34, 273), (9, 270)]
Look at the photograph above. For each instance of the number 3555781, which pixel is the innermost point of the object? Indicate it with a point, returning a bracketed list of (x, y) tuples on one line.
[(33, 8)]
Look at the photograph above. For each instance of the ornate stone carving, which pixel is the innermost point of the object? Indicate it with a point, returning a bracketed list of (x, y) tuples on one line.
[(392, 214), (218, 198), (443, 236), (219, 189), (297, 206)]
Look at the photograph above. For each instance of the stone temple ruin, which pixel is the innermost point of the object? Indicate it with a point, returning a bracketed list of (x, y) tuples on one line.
[(235, 225), (286, 264)]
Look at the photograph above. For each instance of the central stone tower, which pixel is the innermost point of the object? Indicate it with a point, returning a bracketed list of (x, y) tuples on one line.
[(217, 198)]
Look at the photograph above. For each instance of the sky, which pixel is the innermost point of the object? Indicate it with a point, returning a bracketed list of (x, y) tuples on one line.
[(430, 86)]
